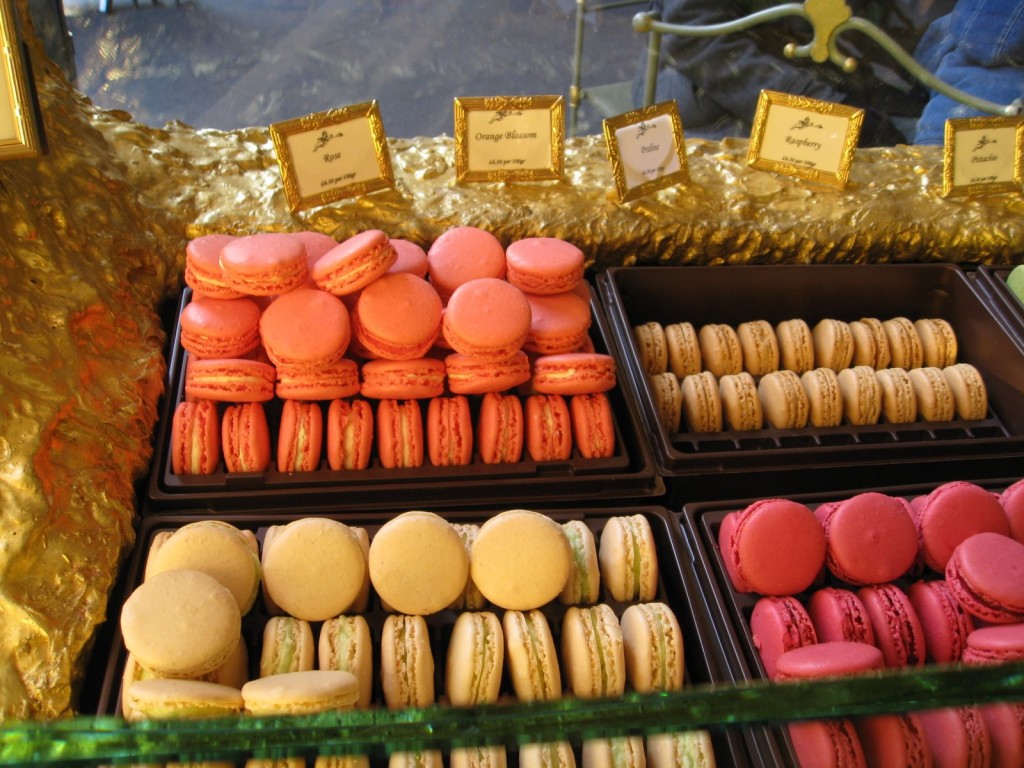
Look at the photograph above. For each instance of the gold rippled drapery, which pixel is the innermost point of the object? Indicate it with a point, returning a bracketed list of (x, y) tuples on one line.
[(92, 238)]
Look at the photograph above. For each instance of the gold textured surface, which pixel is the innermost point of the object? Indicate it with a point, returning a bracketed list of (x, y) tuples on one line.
[(92, 239)]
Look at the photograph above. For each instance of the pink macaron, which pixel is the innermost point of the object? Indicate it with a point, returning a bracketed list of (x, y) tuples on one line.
[(997, 644), (894, 622), (871, 538), (829, 659), (544, 265), (410, 258), (942, 524), (894, 740), (839, 615), (778, 625), (957, 737), (945, 623), (986, 575), (1012, 502)]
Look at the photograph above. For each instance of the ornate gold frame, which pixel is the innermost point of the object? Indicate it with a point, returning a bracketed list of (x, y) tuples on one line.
[(636, 117), (502, 106), (833, 176), (292, 170), (960, 125), (19, 123)]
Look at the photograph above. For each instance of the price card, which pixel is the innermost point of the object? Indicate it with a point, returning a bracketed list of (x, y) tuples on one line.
[(808, 138), (646, 150), (20, 123), (983, 155), (509, 138), (333, 155)]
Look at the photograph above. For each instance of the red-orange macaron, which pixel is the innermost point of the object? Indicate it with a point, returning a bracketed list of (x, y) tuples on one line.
[(399, 434), (500, 429), (349, 434), (462, 254), (559, 323), (470, 376), (245, 438), (397, 317), (203, 273), (264, 264), (195, 438), (548, 428), (220, 327), (340, 379), (449, 431), (544, 265), (487, 319), (354, 263), (593, 427), (230, 380), (306, 329), (299, 437), (421, 378), (575, 373)]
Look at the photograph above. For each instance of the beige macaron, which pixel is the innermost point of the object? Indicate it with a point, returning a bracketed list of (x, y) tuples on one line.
[(531, 656), (163, 699), (547, 754), (313, 567), (475, 660), (934, 396), (702, 403), (720, 350), (629, 558), (406, 662), (471, 598), (683, 349), (904, 343), (870, 345), (741, 407), (653, 643), (759, 345), (614, 752), (783, 399), (796, 347), (970, 397), (478, 757), (584, 584), (418, 563), (420, 758), (824, 399), (899, 402), (680, 750), (181, 623), (233, 673), (668, 400), (287, 646), (592, 652), (938, 342), (301, 693), (862, 395), (521, 559), (833, 344), (651, 347), (345, 644)]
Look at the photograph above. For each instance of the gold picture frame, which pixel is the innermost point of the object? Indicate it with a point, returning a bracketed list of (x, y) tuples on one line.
[(824, 155), (641, 161), (20, 134), (332, 155), (509, 138), (982, 156)]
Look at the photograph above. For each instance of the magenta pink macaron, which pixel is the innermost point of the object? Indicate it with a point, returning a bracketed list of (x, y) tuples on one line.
[(829, 659), (942, 522), (871, 538), (1012, 502), (778, 625), (996, 644), (838, 614), (895, 624), (986, 575)]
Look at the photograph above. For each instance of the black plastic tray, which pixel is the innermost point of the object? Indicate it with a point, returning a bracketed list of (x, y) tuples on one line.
[(706, 660), (630, 473), (992, 281), (920, 452), (731, 610)]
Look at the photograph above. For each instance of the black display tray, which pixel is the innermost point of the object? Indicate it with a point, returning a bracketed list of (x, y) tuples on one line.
[(918, 452), (992, 280), (706, 660), (731, 610), (629, 473)]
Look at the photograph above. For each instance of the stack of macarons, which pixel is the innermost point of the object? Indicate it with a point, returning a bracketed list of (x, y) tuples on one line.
[(318, 330), (935, 578), (790, 376)]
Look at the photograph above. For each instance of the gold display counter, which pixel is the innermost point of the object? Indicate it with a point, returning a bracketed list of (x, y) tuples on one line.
[(92, 242)]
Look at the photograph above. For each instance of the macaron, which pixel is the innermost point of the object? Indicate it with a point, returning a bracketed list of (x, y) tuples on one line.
[(668, 400), (584, 584), (826, 743), (839, 615), (313, 567), (421, 758), (264, 264), (478, 757), (986, 575), (548, 428), (559, 323), (796, 346), (349, 434), (593, 427), (629, 558), (231, 380), (862, 395), (300, 693), (702, 403), (203, 273), (287, 646), (592, 652), (720, 349), (471, 598), (316, 245), (957, 736), (773, 547), (944, 621), (783, 400), (614, 752), (1012, 502), (487, 319), (300, 437), (651, 347), (828, 659), (741, 407), (338, 379), (870, 537), (653, 647), (934, 396), (683, 345), (531, 656), (164, 699), (899, 401), (449, 431), (521, 559), (461, 254), (543, 265), (476, 659), (409, 257), (759, 346), (406, 662), (397, 317), (418, 379), (997, 644), (548, 754), (181, 623), (894, 622), (404, 557), (1005, 725), (472, 376), (824, 397), (219, 327), (970, 397), (938, 342), (777, 626), (833, 344), (399, 434), (345, 644), (904, 344), (870, 345), (897, 740), (573, 373), (195, 438), (942, 525), (500, 429), (354, 263), (245, 438), (680, 750)]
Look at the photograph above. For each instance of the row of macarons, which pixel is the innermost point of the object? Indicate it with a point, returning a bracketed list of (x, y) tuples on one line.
[(349, 432), (820, 397), (758, 348)]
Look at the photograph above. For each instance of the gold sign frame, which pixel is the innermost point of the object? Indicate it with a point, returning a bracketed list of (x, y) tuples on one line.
[(621, 171), (768, 148), (19, 121), (476, 140), (957, 129), (314, 132)]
